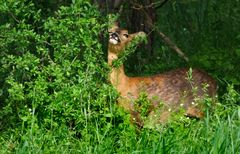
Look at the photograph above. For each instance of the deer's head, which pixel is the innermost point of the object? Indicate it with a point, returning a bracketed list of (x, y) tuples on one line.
[(119, 38)]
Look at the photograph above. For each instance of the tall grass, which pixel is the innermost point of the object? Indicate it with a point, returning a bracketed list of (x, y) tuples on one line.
[(218, 132)]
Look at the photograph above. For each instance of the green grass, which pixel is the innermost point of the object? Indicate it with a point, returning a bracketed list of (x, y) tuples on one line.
[(217, 133)]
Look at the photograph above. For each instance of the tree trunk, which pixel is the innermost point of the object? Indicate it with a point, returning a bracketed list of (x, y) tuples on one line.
[(142, 18)]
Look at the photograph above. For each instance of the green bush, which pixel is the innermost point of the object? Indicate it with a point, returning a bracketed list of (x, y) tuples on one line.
[(53, 74)]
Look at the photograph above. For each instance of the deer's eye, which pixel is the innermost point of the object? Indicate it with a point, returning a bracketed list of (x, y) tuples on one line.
[(126, 35)]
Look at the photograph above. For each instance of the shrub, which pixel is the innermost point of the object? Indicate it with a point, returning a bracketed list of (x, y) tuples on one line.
[(54, 72)]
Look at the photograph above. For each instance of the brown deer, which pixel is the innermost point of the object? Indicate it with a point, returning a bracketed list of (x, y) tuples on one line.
[(172, 88)]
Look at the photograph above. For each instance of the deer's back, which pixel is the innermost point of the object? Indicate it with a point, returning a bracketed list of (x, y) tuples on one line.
[(174, 87)]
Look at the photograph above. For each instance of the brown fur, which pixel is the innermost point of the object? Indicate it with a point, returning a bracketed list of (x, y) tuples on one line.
[(172, 88)]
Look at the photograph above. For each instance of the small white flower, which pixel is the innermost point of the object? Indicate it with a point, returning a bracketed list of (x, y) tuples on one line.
[(193, 103), (181, 104), (170, 110), (30, 110), (134, 119)]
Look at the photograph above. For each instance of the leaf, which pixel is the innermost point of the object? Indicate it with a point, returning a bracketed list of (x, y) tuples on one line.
[(237, 51)]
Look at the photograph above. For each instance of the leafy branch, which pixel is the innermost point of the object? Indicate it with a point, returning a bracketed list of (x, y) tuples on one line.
[(130, 48)]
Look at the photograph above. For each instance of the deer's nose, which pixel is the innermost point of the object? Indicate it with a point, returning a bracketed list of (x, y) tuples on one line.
[(115, 36)]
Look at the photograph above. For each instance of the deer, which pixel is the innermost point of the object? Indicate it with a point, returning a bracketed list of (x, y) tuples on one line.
[(173, 89)]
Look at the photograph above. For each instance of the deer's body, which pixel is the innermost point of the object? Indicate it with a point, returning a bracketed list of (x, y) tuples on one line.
[(172, 88)]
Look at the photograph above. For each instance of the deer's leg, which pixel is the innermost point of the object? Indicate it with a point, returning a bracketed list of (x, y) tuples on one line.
[(194, 112)]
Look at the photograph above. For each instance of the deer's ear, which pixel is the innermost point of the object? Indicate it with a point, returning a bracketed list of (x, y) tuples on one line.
[(139, 34), (115, 25)]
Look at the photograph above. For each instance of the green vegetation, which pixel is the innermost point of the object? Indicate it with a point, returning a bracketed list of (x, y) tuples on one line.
[(55, 96)]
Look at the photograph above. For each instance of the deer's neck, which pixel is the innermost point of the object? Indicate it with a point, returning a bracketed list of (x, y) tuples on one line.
[(117, 76)]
